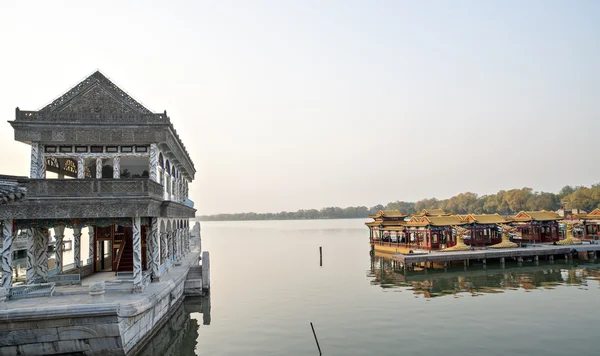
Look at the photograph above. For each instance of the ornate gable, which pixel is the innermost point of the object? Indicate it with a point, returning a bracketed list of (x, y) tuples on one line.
[(595, 212), (522, 215), (93, 95), (95, 99)]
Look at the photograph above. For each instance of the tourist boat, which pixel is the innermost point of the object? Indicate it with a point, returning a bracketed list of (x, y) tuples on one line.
[(394, 232)]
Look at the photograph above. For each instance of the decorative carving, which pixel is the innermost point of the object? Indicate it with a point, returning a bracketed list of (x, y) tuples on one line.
[(137, 255), (77, 246), (52, 162), (116, 167), (98, 168), (569, 239), (70, 166), (31, 269), (38, 166), (80, 168), (59, 234), (92, 244), (506, 231), (164, 252), (7, 250), (460, 240), (154, 235), (92, 95), (176, 245), (153, 162), (41, 252)]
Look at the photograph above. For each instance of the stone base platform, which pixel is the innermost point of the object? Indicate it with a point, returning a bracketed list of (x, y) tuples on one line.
[(75, 323)]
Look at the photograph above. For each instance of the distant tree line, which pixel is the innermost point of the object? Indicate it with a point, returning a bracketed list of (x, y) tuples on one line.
[(504, 202)]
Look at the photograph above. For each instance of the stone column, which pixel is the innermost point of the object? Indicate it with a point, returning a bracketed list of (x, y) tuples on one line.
[(137, 254), (92, 244), (7, 271), (183, 241), (148, 249), (98, 168), (153, 162), (171, 245), (180, 242), (116, 167), (173, 188), (163, 246), (40, 238), (80, 168), (187, 239), (77, 246), (31, 269), (59, 235), (155, 262), (176, 245), (37, 168)]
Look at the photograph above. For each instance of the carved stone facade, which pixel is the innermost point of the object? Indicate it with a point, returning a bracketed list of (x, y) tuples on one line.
[(96, 134)]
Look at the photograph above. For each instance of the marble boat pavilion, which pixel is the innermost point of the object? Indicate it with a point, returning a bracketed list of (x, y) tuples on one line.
[(122, 172)]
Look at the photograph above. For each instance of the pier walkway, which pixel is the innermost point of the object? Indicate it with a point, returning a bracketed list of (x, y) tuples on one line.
[(534, 251)]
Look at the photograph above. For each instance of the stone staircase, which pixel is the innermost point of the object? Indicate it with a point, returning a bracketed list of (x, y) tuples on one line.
[(193, 282)]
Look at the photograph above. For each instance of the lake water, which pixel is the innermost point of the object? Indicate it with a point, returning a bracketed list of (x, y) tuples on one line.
[(268, 286)]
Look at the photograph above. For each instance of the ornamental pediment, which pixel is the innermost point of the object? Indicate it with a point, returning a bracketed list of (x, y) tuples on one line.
[(94, 99)]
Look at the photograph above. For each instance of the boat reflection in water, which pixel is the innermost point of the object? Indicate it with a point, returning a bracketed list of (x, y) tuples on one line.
[(179, 335), (479, 280)]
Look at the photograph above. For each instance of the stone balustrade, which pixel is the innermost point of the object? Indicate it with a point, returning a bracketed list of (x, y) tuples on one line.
[(42, 188)]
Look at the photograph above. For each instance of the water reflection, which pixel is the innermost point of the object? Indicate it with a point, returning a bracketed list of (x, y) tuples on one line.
[(479, 280), (180, 333)]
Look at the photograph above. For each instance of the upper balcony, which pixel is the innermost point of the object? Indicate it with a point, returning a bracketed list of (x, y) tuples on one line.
[(93, 188), (92, 198)]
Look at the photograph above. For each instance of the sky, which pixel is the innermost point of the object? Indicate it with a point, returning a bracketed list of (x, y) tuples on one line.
[(287, 105)]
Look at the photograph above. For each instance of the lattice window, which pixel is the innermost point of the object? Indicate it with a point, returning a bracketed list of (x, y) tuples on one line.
[(70, 166), (52, 162)]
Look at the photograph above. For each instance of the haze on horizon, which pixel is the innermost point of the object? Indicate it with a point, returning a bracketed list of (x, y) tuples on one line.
[(306, 104)]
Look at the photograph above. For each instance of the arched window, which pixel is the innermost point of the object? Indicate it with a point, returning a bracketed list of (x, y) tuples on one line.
[(70, 166), (168, 167), (161, 161)]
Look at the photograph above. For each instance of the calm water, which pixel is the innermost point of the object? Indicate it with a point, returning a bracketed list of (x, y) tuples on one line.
[(267, 286)]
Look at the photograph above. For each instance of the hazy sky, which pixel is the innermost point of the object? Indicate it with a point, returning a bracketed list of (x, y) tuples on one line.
[(306, 104)]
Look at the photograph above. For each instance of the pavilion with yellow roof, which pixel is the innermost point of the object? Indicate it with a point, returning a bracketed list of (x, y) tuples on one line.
[(435, 229), (537, 226), (591, 224)]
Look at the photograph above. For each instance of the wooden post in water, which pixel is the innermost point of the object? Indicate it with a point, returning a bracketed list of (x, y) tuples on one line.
[(315, 335), (320, 257)]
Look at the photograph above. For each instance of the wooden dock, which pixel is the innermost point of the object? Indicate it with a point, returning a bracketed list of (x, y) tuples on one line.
[(518, 254)]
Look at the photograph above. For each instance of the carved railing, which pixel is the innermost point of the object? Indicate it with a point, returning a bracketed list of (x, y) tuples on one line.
[(33, 290), (22, 115), (93, 188)]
